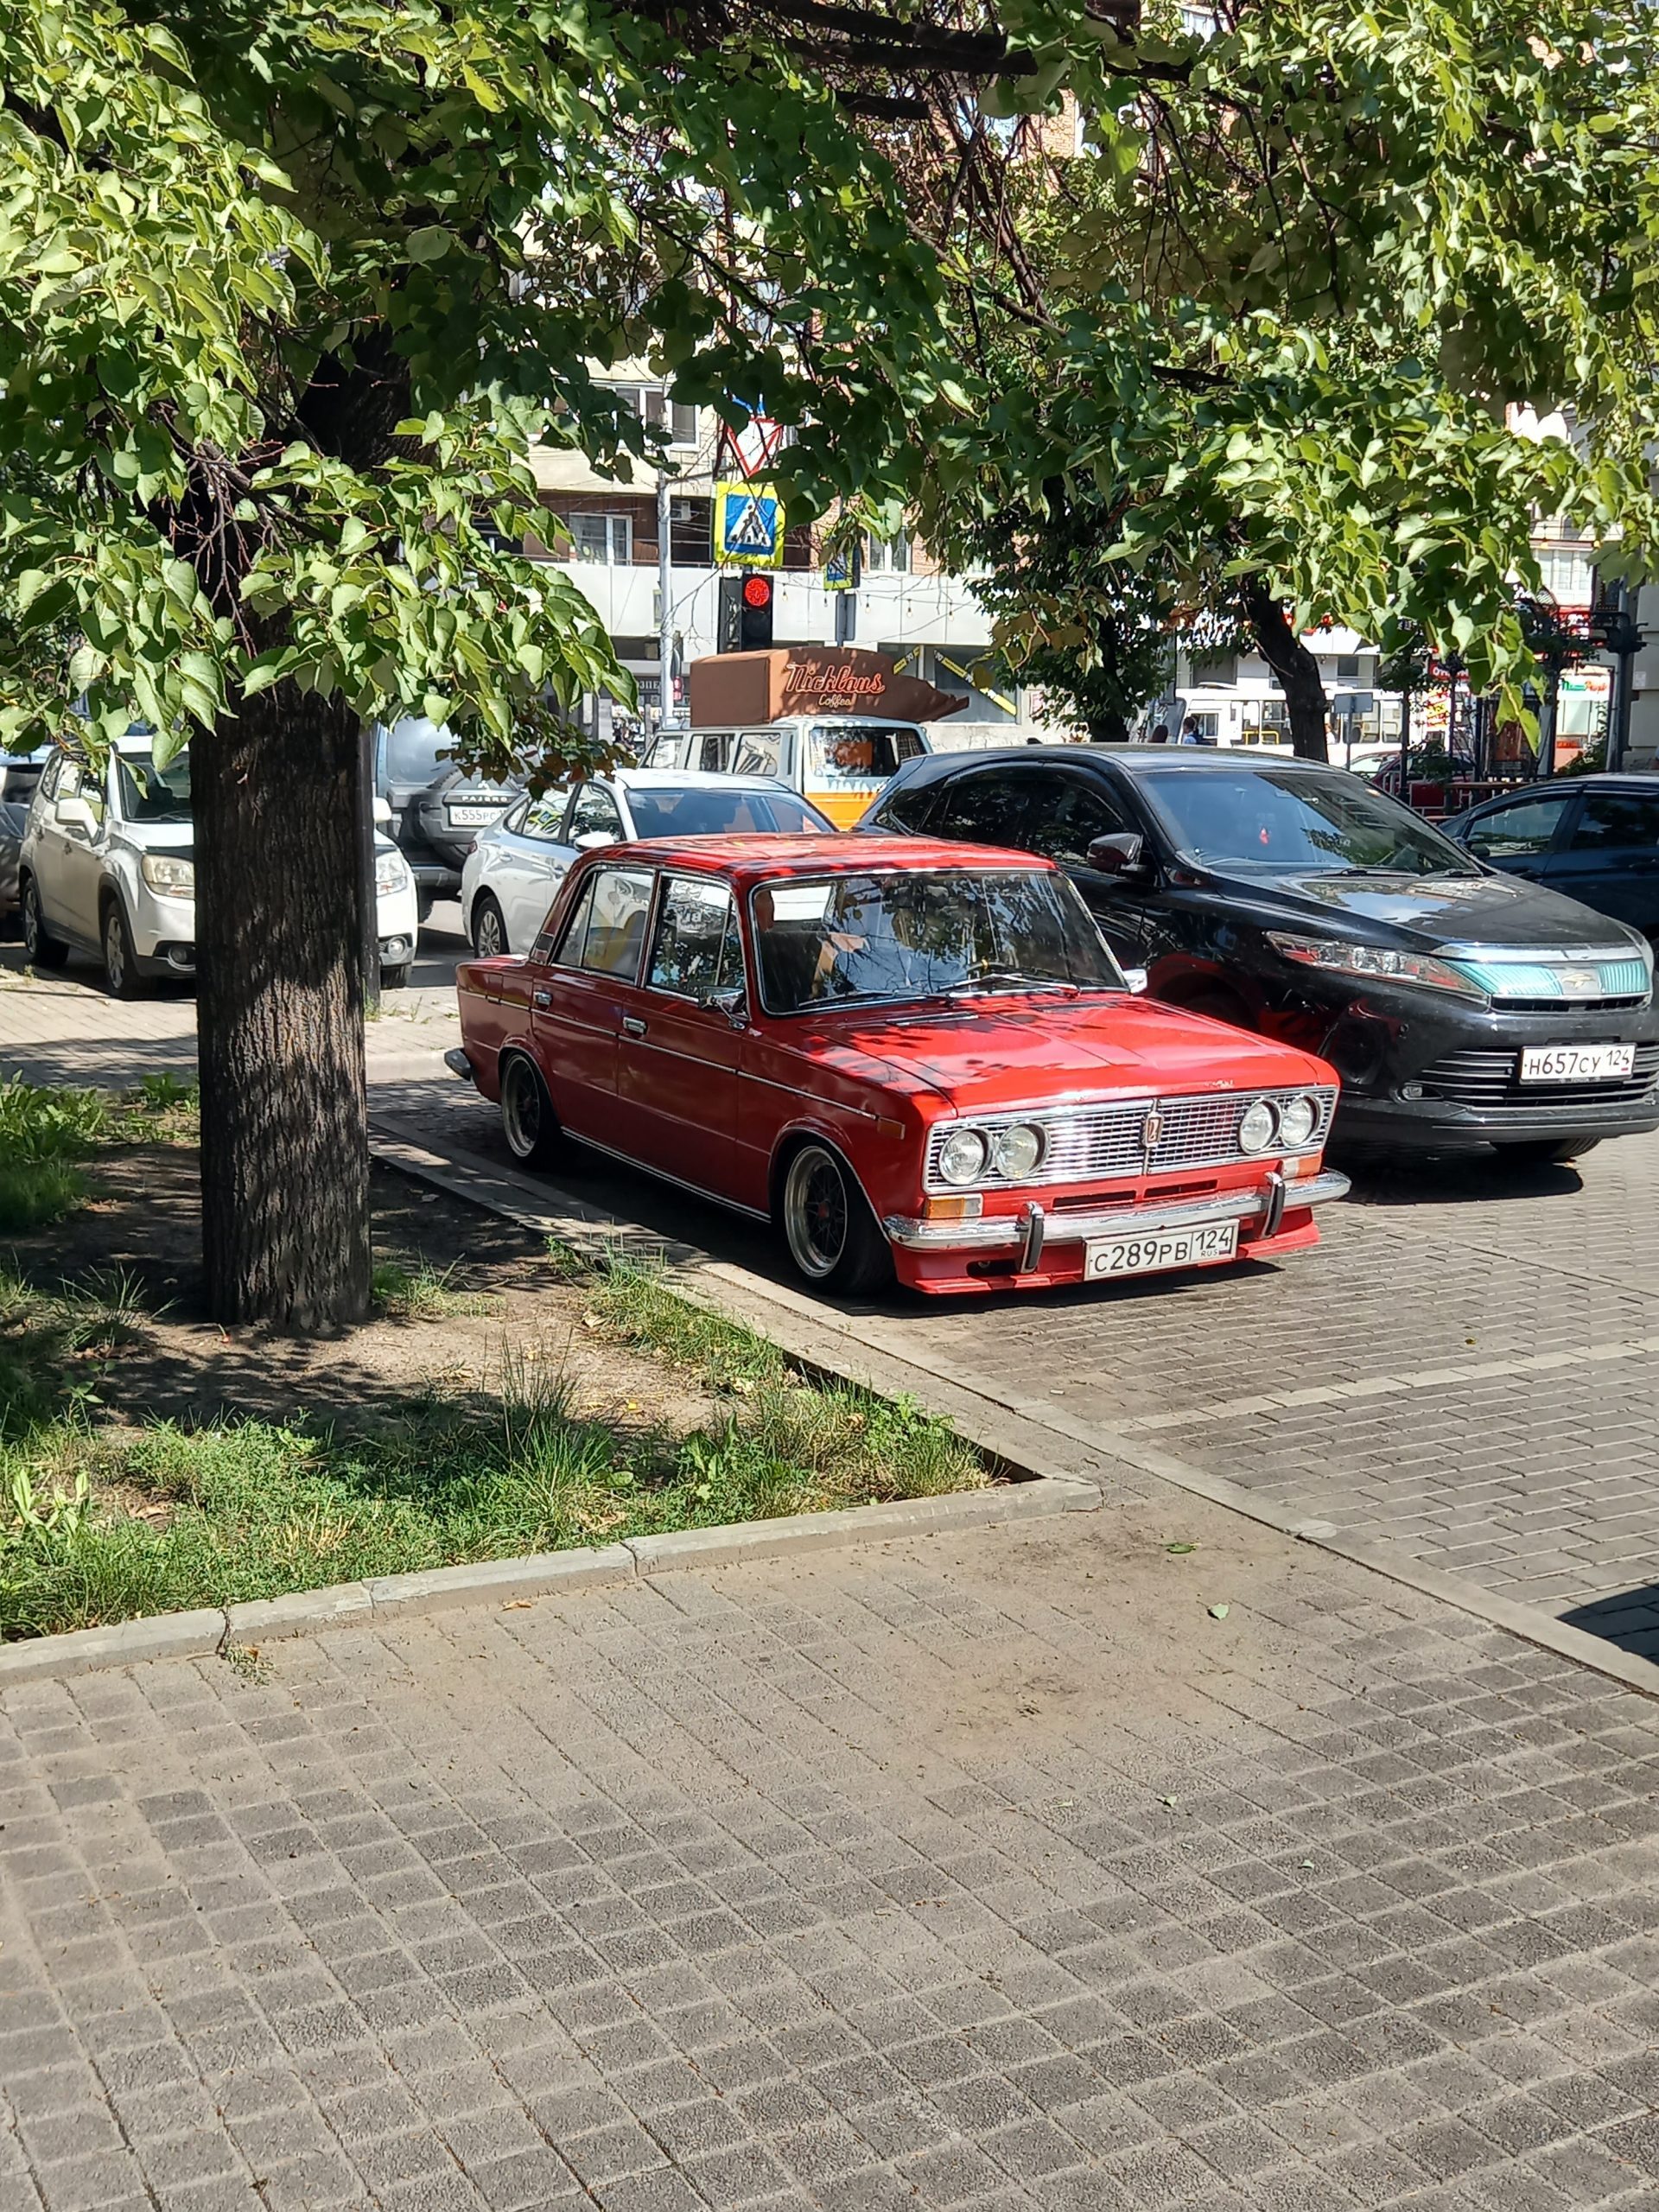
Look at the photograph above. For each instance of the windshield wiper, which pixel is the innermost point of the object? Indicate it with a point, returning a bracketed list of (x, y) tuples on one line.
[(991, 979)]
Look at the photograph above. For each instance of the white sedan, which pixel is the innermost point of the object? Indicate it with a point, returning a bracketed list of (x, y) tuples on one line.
[(515, 866)]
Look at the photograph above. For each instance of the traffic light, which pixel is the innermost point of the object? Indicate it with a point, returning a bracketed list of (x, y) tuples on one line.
[(746, 610)]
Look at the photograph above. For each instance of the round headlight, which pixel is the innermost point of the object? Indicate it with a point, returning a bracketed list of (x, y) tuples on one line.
[(1018, 1151), (1258, 1127), (961, 1156), (1298, 1121)]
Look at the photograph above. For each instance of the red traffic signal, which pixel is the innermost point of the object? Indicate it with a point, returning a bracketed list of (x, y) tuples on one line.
[(757, 591)]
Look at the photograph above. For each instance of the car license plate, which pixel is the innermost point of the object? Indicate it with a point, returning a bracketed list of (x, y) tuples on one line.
[(1160, 1248), (1577, 1062), (473, 817)]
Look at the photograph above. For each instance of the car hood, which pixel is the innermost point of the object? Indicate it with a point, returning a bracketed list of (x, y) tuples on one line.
[(1424, 913), (982, 1055), (178, 837)]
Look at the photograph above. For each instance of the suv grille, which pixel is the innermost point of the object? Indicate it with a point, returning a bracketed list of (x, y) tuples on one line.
[(1087, 1144), (1492, 1082)]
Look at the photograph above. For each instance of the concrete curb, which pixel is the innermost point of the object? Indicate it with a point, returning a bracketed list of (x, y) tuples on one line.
[(1025, 1434), (392, 1598)]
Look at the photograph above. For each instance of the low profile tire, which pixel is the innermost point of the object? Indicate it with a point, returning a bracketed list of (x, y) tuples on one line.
[(43, 949), (121, 977), (394, 979), (489, 928), (528, 1121), (827, 1228), (1544, 1152)]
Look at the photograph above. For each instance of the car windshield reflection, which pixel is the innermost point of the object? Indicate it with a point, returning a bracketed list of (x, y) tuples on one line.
[(906, 937), (1260, 821)]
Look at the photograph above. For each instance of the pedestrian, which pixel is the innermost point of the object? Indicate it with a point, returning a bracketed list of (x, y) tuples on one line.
[(1160, 734)]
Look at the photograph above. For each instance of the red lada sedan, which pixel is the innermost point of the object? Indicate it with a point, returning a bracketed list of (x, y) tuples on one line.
[(908, 1056)]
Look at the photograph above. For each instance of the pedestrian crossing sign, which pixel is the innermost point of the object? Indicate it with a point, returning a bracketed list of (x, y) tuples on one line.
[(749, 527)]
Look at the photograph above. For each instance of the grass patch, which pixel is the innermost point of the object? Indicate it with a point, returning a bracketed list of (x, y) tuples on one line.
[(47, 1132), (636, 1307), (414, 1290), (33, 1192)]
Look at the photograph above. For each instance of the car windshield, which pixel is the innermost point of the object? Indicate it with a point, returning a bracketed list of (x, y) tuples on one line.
[(153, 794), (918, 935), (418, 751), (1271, 820), (698, 810)]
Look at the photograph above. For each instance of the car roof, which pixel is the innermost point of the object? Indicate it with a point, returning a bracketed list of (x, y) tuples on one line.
[(1191, 759), (752, 859), (1642, 781)]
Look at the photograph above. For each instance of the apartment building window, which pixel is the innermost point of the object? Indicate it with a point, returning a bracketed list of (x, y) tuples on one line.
[(606, 539), (1568, 573), (887, 556), (651, 401), (1355, 668)]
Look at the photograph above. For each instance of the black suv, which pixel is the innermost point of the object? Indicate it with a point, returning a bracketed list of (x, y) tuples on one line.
[(1461, 1007)]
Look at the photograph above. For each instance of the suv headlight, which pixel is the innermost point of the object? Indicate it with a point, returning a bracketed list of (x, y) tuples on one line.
[(390, 873), (962, 1156), (1371, 963), (165, 873)]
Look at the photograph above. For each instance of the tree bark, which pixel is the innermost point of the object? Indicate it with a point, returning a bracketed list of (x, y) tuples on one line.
[(284, 1105), (1295, 667)]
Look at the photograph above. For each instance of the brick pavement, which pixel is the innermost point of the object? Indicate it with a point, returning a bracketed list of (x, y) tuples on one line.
[(980, 1874)]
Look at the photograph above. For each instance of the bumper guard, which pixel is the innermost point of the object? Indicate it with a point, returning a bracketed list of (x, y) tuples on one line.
[(1031, 1228)]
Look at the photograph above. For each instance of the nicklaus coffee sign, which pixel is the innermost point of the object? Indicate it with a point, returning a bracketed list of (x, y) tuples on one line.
[(729, 688)]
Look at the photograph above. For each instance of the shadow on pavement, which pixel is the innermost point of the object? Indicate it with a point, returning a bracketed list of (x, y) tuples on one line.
[(1629, 1618), (1452, 1178)]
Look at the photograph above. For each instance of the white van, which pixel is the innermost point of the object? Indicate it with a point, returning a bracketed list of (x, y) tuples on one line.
[(837, 761)]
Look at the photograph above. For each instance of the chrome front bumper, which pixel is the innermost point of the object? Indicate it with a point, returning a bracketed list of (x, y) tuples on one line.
[(1028, 1231)]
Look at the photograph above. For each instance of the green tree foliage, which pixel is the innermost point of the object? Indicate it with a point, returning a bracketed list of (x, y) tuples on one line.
[(1278, 308)]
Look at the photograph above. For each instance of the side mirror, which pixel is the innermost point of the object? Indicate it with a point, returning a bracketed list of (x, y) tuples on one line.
[(1137, 980), (591, 840), (73, 812), (733, 1004), (1122, 853), (382, 812)]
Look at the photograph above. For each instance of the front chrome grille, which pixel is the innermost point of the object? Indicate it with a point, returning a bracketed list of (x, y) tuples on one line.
[(1491, 1082), (1092, 1143)]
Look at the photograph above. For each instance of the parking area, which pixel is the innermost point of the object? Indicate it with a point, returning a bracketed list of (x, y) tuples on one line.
[(1464, 1373)]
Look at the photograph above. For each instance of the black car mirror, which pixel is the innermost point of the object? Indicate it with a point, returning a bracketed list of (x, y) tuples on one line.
[(1122, 853), (733, 1004)]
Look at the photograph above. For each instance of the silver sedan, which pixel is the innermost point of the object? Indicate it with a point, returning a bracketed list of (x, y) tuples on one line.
[(515, 866)]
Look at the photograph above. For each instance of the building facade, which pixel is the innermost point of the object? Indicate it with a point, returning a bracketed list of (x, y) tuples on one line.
[(904, 605)]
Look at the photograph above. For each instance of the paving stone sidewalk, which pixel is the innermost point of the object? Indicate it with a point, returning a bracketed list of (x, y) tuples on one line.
[(975, 1874)]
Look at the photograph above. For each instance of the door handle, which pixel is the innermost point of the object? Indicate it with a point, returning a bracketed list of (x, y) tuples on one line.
[(632, 1026), (541, 998)]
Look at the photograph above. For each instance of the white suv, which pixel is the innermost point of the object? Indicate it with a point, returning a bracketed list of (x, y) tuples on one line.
[(106, 868)]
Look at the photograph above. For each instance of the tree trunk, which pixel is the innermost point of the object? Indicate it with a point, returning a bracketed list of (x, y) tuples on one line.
[(1295, 667), (284, 1105)]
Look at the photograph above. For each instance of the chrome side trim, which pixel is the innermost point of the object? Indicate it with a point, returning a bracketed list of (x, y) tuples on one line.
[(1011, 1232)]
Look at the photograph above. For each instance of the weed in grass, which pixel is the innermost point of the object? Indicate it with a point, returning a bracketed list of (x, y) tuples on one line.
[(565, 1262), (248, 1664), (413, 1290), (35, 1193), (632, 1303), (163, 1091), (40, 1122)]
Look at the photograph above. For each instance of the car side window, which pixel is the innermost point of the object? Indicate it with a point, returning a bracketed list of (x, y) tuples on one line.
[(1514, 832), (1616, 821), (711, 750), (986, 807), (47, 789), (76, 781), (910, 807), (606, 929), (542, 819), (757, 753), (696, 951), (594, 813), (1065, 813)]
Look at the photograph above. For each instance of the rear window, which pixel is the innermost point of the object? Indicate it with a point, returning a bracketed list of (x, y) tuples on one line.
[(858, 753), (700, 811)]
